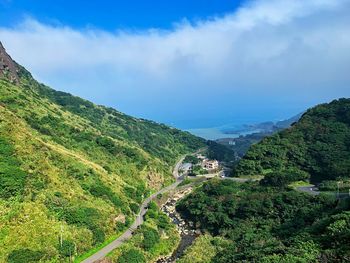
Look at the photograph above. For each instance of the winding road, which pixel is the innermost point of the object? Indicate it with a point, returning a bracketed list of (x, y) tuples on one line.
[(139, 218), (99, 255), (313, 190)]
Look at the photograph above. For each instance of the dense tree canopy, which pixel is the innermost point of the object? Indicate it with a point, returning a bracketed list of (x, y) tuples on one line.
[(267, 224)]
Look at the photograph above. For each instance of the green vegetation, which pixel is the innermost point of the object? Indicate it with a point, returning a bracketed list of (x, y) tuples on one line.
[(12, 178), (67, 248), (268, 221), (192, 180), (334, 186), (243, 142), (66, 163), (284, 178), (156, 237), (220, 152), (318, 144), (268, 224), (191, 159), (197, 170), (131, 256), (204, 249), (150, 238), (24, 256)]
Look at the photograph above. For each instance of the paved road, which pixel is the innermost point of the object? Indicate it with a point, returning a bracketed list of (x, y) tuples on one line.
[(138, 221), (221, 177), (310, 189), (313, 190)]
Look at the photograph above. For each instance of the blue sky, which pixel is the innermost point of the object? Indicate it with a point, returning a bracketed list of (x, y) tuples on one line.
[(190, 64), (111, 15)]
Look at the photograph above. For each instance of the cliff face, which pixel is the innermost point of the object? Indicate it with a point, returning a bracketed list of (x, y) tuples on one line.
[(8, 68)]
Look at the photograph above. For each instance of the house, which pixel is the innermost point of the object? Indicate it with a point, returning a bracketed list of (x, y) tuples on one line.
[(211, 164)]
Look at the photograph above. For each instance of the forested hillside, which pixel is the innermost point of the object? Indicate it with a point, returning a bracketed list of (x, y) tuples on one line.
[(318, 144), (72, 173), (268, 221), (253, 223)]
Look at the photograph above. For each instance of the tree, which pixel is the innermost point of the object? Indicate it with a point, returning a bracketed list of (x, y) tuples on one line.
[(131, 256), (150, 238), (67, 248)]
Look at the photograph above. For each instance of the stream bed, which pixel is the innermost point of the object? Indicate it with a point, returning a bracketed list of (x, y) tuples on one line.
[(187, 232)]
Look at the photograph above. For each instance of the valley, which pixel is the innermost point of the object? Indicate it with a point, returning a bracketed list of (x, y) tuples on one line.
[(81, 182)]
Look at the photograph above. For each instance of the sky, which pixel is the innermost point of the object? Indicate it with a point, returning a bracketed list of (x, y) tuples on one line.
[(190, 64)]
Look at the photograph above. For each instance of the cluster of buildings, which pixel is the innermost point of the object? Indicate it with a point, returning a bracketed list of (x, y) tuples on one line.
[(208, 164), (205, 163)]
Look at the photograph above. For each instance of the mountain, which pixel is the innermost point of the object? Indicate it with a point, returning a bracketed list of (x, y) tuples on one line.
[(270, 220), (318, 144), (241, 144), (72, 168), (288, 122), (263, 127), (8, 68)]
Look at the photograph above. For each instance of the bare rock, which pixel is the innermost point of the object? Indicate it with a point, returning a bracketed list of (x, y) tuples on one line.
[(8, 68)]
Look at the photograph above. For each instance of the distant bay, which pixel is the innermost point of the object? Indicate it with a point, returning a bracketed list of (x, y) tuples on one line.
[(221, 132)]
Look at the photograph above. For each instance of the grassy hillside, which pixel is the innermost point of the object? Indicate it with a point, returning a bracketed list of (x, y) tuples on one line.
[(318, 144), (72, 169)]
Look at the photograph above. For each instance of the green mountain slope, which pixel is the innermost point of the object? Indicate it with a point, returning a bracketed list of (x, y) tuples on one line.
[(269, 221), (253, 223), (318, 144), (72, 169)]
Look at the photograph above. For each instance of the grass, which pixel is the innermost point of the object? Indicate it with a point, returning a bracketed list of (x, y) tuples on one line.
[(96, 249), (66, 145)]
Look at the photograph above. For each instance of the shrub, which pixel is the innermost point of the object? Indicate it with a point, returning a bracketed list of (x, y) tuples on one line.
[(67, 248), (98, 235), (87, 217), (119, 227), (191, 159), (12, 181), (24, 255), (283, 178), (99, 189), (150, 238), (12, 178), (131, 256), (163, 222), (134, 208)]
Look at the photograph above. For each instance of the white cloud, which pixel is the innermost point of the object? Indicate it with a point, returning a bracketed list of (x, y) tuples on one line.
[(292, 51)]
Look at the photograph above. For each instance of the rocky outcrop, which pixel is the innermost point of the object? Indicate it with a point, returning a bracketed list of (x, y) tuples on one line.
[(8, 68)]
